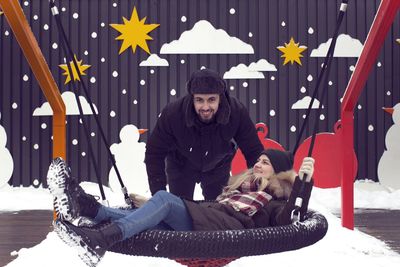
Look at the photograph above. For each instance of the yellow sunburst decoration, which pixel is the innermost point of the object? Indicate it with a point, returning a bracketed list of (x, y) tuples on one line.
[(134, 32), (292, 52), (82, 69)]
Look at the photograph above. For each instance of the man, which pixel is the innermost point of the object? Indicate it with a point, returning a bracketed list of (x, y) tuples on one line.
[(194, 139)]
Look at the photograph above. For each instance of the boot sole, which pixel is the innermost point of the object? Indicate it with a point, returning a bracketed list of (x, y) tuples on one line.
[(90, 257), (57, 182)]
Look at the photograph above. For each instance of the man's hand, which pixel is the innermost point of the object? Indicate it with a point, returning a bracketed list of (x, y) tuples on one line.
[(138, 200), (307, 167)]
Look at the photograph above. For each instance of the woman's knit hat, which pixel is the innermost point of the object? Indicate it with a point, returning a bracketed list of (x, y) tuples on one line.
[(280, 160)]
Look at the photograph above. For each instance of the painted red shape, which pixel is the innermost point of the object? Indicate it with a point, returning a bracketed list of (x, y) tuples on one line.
[(327, 155), (239, 162)]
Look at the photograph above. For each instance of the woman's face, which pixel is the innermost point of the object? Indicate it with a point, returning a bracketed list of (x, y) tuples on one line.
[(263, 167)]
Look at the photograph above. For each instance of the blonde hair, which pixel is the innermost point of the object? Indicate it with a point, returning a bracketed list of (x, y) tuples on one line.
[(279, 185), (235, 181)]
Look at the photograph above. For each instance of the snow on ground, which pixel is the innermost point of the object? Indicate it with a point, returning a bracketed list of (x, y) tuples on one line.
[(340, 247)]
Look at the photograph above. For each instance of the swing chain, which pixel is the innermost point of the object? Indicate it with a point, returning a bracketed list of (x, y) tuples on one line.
[(295, 215)]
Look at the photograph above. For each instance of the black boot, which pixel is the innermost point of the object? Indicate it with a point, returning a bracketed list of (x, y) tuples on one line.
[(91, 243), (87, 204), (70, 200)]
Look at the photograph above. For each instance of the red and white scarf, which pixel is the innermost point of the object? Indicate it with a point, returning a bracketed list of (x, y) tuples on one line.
[(245, 198)]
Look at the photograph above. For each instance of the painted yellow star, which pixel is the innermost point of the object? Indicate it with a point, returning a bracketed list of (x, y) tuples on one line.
[(398, 41), (134, 32), (292, 52), (82, 69), (1, 12)]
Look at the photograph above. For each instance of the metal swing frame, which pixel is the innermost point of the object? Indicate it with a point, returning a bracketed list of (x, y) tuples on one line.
[(33, 54), (383, 21)]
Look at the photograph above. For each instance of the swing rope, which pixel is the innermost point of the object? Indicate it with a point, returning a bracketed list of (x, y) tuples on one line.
[(324, 75), (70, 58), (326, 68)]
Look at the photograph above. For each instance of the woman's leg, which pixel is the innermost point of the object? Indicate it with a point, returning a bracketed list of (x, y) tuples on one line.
[(162, 207), (107, 213)]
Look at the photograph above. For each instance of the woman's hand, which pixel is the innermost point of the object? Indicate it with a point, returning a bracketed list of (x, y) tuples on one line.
[(307, 167), (138, 200)]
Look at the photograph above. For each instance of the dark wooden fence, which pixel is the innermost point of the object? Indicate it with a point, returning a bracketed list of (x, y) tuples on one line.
[(264, 24)]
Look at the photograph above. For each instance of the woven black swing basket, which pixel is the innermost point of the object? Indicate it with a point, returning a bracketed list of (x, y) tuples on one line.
[(205, 248)]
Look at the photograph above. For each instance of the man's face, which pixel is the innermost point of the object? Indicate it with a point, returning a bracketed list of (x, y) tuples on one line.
[(206, 106)]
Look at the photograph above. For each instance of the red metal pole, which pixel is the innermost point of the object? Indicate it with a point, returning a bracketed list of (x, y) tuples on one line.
[(376, 36), (347, 144)]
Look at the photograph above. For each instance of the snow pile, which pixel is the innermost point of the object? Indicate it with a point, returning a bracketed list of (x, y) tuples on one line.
[(340, 247)]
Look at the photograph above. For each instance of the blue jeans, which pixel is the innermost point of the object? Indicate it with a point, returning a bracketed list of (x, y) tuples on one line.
[(163, 209)]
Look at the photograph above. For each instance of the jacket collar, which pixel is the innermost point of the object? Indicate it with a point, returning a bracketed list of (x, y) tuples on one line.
[(280, 185), (222, 116), (289, 175)]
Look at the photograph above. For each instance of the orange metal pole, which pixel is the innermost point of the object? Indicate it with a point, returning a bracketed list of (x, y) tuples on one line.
[(27, 41), (383, 20)]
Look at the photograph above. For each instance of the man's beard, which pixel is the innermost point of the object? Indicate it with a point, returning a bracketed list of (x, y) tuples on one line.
[(207, 120)]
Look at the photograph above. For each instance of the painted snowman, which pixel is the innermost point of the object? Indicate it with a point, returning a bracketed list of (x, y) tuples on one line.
[(389, 164), (129, 156), (6, 160)]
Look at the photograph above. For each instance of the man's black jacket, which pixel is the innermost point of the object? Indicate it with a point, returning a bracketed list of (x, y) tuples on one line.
[(182, 138)]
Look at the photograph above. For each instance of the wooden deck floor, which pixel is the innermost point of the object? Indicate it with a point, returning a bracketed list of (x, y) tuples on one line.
[(382, 224), (22, 229), (25, 229)]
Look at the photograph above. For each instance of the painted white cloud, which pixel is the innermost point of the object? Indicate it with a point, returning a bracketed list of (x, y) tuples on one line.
[(262, 65), (204, 38), (154, 61), (242, 71), (70, 103), (253, 71), (305, 102), (346, 46), (6, 160)]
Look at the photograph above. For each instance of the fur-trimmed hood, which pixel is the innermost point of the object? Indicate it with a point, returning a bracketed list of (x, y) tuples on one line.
[(280, 185)]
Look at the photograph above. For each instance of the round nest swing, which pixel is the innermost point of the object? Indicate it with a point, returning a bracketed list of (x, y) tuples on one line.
[(217, 248)]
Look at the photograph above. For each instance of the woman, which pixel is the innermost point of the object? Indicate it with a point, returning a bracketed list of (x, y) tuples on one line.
[(261, 196)]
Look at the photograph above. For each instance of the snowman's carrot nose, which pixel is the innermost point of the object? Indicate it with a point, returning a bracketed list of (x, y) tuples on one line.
[(142, 131), (388, 110)]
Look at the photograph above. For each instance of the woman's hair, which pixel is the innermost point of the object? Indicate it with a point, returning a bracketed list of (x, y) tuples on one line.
[(278, 184), (236, 180)]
